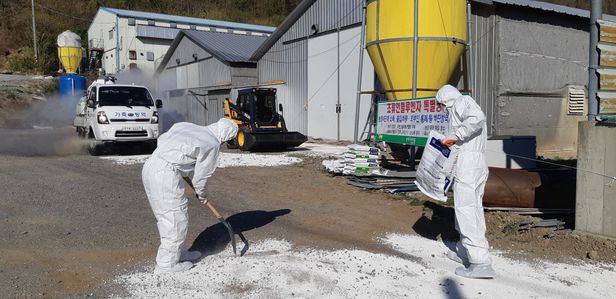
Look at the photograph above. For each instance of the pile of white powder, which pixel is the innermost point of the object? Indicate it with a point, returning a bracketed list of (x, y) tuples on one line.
[(275, 269)]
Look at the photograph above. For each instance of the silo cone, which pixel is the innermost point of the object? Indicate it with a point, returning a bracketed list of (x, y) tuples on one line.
[(70, 57), (389, 40)]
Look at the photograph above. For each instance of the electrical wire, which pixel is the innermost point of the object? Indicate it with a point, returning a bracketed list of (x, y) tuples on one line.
[(313, 55), (613, 178), (61, 13), (299, 44), (328, 78)]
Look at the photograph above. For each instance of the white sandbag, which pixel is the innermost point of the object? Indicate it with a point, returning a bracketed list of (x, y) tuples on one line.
[(333, 166), (364, 171), (69, 39), (371, 165), (355, 155), (436, 168), (364, 149), (353, 161)]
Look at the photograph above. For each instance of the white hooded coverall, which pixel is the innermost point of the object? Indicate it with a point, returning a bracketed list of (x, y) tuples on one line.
[(468, 127), (185, 150)]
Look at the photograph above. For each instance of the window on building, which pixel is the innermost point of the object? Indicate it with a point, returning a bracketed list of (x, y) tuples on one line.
[(150, 56), (132, 55), (111, 34)]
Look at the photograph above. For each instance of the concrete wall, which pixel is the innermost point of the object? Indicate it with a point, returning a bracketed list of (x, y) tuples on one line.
[(540, 54), (595, 211)]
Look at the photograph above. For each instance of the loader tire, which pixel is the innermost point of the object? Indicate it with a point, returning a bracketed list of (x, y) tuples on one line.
[(232, 144), (245, 139)]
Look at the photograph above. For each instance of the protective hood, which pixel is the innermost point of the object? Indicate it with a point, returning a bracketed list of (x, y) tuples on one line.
[(224, 129), (447, 95)]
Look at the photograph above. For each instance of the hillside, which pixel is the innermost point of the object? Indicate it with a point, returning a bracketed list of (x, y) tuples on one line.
[(55, 16)]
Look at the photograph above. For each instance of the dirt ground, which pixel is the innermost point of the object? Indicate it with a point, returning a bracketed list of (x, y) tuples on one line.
[(504, 235), (72, 222)]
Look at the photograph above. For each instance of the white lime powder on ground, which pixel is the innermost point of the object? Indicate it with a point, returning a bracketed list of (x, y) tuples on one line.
[(275, 269)]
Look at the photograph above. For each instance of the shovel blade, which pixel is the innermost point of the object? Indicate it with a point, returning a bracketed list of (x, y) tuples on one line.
[(231, 235)]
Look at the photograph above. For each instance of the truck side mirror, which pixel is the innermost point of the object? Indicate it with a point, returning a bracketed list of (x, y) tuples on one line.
[(280, 107), (90, 103), (159, 104)]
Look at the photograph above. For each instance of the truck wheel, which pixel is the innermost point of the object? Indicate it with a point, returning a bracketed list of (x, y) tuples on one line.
[(149, 147), (95, 147)]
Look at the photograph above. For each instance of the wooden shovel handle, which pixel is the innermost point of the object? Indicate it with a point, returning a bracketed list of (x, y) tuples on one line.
[(214, 211), (206, 202)]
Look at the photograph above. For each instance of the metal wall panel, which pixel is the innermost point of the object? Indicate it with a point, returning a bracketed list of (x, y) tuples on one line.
[(165, 81), (540, 55), (212, 72), (243, 76), (484, 51), (288, 64), (322, 87), (192, 75), (287, 59), (184, 53)]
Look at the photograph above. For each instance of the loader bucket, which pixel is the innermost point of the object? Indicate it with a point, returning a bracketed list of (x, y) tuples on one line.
[(272, 141)]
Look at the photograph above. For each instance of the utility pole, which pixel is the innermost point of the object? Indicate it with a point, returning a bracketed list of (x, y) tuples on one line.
[(34, 32), (593, 62)]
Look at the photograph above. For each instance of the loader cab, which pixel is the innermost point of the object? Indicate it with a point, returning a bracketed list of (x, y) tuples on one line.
[(260, 105)]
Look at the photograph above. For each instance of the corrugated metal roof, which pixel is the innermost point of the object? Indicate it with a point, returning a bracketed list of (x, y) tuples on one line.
[(186, 20), (230, 48), (551, 7), (303, 6)]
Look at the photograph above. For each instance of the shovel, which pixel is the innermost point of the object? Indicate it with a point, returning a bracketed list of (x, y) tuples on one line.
[(224, 222)]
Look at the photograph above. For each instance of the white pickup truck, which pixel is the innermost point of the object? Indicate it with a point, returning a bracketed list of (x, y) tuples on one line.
[(117, 113)]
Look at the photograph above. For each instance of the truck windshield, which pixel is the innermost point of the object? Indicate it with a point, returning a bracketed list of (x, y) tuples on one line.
[(124, 96)]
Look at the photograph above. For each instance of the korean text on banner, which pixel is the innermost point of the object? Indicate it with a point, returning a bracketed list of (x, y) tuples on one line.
[(410, 121), (436, 168)]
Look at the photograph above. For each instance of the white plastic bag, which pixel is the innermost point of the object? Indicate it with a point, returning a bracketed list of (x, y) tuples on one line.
[(436, 168), (69, 39)]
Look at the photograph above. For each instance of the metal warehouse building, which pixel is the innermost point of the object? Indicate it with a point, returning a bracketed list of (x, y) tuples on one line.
[(530, 71), (313, 57), (119, 39), (529, 63), (200, 70)]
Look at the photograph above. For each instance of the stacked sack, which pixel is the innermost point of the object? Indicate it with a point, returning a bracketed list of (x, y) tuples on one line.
[(356, 160), (360, 159)]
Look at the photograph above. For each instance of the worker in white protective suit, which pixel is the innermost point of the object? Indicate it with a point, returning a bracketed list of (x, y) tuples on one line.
[(467, 129), (186, 150)]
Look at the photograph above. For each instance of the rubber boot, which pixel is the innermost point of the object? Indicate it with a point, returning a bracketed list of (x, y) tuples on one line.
[(480, 271), (179, 267), (452, 255), (189, 256), (459, 255)]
